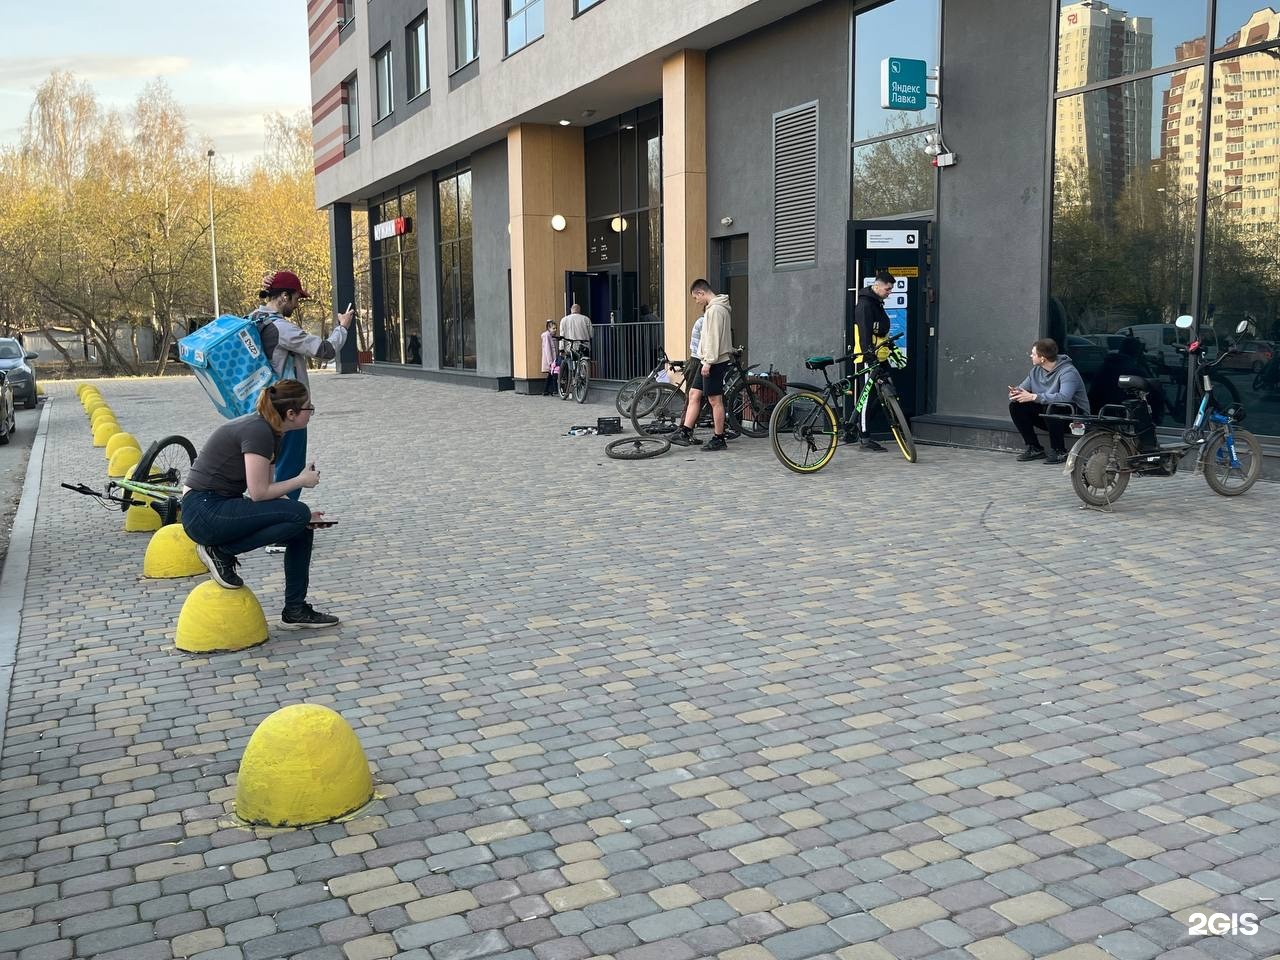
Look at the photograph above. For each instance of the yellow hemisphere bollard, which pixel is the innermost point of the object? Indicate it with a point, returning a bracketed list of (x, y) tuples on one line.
[(121, 439), (122, 461), (142, 519), (84, 392), (104, 433), (303, 765), (217, 620), (94, 403), (171, 554), (103, 416)]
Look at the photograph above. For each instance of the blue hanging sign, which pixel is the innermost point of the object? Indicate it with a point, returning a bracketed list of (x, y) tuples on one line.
[(903, 84)]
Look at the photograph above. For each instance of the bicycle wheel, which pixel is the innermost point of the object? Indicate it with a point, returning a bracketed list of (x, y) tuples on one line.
[(1101, 471), (627, 395), (898, 426), (637, 448), (751, 405), (802, 432), (1229, 479), (565, 380), (665, 405), (166, 461), (581, 380)]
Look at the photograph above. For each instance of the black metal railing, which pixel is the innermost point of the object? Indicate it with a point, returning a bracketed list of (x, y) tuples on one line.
[(621, 351)]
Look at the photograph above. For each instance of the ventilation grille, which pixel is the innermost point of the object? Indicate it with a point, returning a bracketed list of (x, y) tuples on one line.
[(795, 187)]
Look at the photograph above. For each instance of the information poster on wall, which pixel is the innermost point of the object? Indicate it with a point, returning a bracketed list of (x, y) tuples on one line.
[(895, 305)]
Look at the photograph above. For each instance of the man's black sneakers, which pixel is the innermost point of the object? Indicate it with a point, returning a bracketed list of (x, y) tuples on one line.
[(871, 445), (306, 616), (715, 443), (1031, 453), (221, 565), (1057, 456), (683, 437)]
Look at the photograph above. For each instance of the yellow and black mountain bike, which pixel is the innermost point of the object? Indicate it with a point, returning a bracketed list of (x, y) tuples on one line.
[(807, 425)]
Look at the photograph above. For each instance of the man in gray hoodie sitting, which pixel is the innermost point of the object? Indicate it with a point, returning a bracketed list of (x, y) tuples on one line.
[(1053, 379)]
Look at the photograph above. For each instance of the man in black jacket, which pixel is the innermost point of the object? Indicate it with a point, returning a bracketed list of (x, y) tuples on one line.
[(870, 327)]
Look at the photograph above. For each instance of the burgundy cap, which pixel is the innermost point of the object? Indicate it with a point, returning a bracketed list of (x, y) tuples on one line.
[(284, 280)]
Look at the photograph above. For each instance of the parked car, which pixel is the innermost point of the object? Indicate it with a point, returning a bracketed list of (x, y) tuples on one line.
[(20, 374), (1253, 355), (1165, 347), (8, 422)]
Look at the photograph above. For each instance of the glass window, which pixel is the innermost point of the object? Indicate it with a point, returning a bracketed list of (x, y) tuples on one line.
[(350, 108), (1242, 229), (465, 32), (416, 56), (580, 5), (457, 283), (903, 28), (1242, 23), (524, 23), (892, 178), (1123, 240), (348, 10), (382, 82), (1099, 41)]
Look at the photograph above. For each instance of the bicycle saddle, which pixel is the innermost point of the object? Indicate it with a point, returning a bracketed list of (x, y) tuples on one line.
[(1128, 381), (818, 363)]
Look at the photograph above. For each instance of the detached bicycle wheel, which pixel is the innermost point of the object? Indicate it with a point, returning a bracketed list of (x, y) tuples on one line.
[(166, 461), (581, 380), (637, 448), (751, 405), (664, 406), (803, 433), (1229, 473), (899, 427)]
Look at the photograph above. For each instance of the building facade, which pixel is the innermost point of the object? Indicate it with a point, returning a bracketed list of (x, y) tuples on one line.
[(487, 162)]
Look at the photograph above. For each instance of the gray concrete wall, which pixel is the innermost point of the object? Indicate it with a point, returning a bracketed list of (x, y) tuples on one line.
[(428, 270), (992, 211), (491, 246), (793, 313)]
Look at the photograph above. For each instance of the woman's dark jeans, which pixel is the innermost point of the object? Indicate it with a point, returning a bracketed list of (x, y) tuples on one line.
[(238, 525)]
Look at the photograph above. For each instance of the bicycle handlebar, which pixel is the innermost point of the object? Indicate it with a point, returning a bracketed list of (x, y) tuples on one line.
[(571, 340)]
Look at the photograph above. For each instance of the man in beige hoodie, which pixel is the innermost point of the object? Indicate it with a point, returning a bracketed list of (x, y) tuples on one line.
[(714, 350)]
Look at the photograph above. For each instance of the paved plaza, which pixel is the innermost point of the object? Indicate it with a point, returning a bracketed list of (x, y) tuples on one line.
[(690, 707)]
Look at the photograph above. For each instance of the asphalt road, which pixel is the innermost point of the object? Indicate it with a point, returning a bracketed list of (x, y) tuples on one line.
[(13, 467)]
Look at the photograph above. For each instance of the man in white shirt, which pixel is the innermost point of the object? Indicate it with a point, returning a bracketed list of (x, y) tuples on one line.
[(577, 326)]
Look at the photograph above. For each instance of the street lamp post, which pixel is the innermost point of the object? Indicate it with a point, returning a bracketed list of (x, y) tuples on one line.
[(213, 238)]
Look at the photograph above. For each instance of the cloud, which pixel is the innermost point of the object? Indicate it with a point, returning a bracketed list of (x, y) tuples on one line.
[(27, 72)]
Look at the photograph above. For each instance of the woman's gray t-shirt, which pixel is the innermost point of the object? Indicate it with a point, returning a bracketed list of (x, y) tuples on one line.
[(220, 465)]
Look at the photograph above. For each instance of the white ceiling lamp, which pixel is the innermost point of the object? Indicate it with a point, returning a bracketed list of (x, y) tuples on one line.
[(558, 223)]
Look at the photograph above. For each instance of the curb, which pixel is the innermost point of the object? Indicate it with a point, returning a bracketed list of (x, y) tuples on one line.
[(13, 580)]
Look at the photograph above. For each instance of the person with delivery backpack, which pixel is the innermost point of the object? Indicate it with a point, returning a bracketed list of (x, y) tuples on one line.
[(288, 346)]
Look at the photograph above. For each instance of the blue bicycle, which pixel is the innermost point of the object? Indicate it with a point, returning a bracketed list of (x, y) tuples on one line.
[(1122, 438)]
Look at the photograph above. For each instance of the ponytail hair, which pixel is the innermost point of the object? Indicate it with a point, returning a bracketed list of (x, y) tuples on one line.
[(275, 402)]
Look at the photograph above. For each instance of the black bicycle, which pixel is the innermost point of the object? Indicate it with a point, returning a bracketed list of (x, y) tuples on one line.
[(749, 400), (807, 425)]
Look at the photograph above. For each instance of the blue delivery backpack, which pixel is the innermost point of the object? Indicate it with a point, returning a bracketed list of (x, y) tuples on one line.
[(228, 359)]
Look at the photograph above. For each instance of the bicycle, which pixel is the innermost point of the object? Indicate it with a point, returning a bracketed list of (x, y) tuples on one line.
[(749, 400), (1123, 439), (632, 388), (157, 479), (575, 368), (807, 425)]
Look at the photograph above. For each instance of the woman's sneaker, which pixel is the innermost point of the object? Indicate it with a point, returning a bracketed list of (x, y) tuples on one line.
[(221, 565), (305, 615)]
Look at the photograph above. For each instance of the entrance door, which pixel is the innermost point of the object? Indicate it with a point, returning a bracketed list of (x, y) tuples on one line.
[(590, 291), (902, 248), (731, 254)]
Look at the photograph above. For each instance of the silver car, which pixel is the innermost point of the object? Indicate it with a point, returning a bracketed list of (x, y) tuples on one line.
[(20, 374)]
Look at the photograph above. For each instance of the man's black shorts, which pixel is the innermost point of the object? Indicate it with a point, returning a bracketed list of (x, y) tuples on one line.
[(713, 383)]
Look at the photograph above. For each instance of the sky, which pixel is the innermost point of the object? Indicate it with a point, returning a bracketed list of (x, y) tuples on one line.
[(228, 64)]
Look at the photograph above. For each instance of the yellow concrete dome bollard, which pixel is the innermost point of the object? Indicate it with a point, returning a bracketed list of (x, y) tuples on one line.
[(94, 403), (217, 620), (123, 461), (303, 765), (121, 439), (171, 554), (142, 519), (101, 414), (103, 433), (84, 392)]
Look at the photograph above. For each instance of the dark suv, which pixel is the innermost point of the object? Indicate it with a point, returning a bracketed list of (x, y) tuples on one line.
[(20, 374)]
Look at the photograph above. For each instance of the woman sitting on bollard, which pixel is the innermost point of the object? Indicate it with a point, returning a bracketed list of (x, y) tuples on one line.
[(224, 522)]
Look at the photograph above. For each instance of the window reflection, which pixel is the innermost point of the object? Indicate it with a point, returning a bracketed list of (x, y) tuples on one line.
[(892, 178), (457, 296), (397, 304), (903, 28), (1099, 41)]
